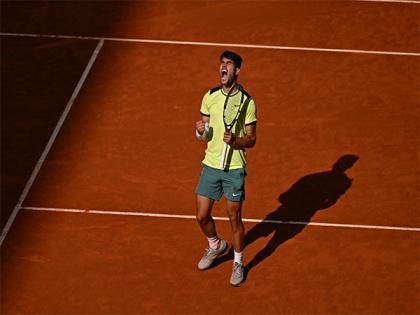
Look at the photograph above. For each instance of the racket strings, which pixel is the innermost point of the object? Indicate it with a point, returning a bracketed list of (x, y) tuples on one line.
[(231, 112)]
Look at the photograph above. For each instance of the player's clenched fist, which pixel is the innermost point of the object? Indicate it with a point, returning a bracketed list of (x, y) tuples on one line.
[(200, 126)]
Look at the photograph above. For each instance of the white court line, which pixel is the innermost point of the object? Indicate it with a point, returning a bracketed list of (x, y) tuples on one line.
[(179, 216), (174, 42), (392, 1), (50, 143)]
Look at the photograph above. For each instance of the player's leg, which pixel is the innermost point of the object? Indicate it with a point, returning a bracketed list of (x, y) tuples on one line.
[(208, 190), (233, 189), (234, 192), (234, 210), (204, 218)]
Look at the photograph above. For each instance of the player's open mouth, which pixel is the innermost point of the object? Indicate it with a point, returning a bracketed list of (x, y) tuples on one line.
[(223, 74)]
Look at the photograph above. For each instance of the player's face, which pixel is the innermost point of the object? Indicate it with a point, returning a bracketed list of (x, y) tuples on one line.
[(228, 72)]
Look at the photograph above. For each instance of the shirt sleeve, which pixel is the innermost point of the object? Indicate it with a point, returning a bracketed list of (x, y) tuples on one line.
[(251, 113), (204, 110)]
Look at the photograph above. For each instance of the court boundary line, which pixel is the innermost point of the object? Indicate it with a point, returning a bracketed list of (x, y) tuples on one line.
[(391, 1), (197, 43), (182, 216), (50, 142)]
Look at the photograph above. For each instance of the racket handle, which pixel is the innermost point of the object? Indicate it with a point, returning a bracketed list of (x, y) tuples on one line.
[(222, 160)]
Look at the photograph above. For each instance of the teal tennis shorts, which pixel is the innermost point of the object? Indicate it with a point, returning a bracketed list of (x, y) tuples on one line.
[(214, 182)]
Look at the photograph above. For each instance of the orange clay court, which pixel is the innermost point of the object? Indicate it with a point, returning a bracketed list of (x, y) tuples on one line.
[(99, 158)]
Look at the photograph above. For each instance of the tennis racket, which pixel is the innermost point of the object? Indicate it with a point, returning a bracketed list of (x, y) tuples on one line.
[(231, 111)]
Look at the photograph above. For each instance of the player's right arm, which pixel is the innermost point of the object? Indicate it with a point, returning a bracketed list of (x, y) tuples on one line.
[(202, 126)]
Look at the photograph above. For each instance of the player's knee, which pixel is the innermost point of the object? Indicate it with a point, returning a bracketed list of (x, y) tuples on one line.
[(235, 222), (202, 219)]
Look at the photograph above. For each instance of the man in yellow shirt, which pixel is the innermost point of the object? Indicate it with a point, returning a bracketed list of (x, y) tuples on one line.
[(225, 177)]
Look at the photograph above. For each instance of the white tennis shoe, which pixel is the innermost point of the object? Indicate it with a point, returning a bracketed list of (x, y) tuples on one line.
[(210, 255), (237, 276)]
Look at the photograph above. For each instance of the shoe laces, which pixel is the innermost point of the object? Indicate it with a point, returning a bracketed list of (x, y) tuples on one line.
[(209, 251), (237, 269)]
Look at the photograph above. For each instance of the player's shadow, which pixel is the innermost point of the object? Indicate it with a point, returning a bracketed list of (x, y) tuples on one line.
[(299, 203)]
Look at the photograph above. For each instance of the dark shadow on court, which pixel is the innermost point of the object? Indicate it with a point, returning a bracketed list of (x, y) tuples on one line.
[(299, 203)]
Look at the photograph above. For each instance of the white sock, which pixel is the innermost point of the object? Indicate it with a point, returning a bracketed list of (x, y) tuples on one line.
[(213, 242), (238, 257)]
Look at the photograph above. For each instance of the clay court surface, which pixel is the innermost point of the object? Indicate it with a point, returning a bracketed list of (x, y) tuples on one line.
[(99, 158)]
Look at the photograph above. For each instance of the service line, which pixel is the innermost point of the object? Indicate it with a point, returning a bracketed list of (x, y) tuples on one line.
[(192, 217), (175, 42), (392, 1)]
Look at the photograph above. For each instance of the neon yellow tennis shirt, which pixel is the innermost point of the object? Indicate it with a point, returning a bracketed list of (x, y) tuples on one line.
[(212, 107)]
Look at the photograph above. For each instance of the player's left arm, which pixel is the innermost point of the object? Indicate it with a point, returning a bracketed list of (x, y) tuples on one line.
[(247, 141)]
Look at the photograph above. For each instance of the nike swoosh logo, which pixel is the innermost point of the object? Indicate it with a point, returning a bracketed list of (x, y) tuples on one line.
[(235, 195)]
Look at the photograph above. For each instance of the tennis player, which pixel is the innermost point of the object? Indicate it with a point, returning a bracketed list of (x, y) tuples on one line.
[(224, 173)]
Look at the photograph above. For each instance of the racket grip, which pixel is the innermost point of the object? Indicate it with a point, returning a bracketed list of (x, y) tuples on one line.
[(222, 160)]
